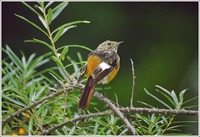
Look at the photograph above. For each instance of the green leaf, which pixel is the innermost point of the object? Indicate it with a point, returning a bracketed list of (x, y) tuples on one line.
[(41, 4), (63, 53), (164, 119), (69, 24), (33, 24), (40, 8), (51, 72), (32, 9), (79, 56), (57, 78), (30, 126), (41, 42), (40, 92), (146, 104), (189, 100), (30, 59), (96, 126), (49, 16), (61, 32), (37, 63), (157, 99), (175, 128), (9, 72), (58, 35), (181, 96), (168, 98), (42, 20), (123, 132), (22, 96), (33, 64), (63, 72), (163, 89), (48, 4), (24, 62), (190, 107), (40, 108), (72, 130), (174, 97), (44, 112), (58, 62), (33, 81), (76, 68), (14, 101), (76, 46), (58, 9), (14, 58), (143, 118)]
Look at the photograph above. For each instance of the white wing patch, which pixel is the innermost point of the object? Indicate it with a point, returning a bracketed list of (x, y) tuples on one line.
[(99, 70), (104, 66)]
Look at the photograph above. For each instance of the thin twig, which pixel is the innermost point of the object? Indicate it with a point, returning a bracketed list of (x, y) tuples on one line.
[(117, 111), (50, 36), (133, 83), (117, 102), (169, 123)]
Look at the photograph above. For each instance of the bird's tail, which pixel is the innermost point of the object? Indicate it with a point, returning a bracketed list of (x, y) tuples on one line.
[(86, 95)]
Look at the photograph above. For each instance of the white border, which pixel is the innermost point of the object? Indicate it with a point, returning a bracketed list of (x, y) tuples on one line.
[(100, 1), (198, 70), (1, 68), (105, 0)]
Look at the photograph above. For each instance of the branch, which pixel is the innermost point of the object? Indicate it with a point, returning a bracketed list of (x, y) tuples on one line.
[(133, 83), (114, 109), (117, 111), (160, 111), (125, 110), (105, 100)]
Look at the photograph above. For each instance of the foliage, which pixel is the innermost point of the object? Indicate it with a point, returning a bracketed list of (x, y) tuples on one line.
[(24, 83), (161, 124)]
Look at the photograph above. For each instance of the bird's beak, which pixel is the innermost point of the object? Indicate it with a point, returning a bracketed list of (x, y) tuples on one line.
[(118, 43)]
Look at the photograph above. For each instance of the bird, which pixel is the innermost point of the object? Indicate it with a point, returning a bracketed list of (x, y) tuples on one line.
[(101, 66)]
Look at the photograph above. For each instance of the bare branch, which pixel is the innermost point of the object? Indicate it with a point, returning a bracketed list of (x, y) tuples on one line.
[(125, 110), (117, 111), (133, 82), (160, 111)]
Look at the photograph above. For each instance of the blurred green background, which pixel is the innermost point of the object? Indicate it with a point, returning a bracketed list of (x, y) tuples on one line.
[(160, 37)]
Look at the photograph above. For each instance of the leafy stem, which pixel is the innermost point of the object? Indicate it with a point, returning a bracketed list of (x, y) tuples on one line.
[(46, 16), (50, 36)]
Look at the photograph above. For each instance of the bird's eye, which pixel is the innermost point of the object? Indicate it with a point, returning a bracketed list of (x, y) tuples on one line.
[(109, 44)]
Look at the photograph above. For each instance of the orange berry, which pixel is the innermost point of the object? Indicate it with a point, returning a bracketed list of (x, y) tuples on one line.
[(21, 131)]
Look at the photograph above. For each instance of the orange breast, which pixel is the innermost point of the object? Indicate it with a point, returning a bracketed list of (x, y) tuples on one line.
[(92, 64)]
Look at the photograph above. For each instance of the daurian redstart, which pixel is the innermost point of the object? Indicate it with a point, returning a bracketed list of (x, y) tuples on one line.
[(102, 65)]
